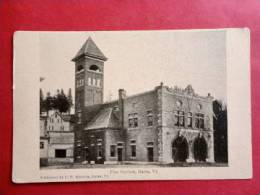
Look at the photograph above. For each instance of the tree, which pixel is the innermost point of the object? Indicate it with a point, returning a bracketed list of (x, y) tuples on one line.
[(57, 102), (70, 100), (41, 102), (48, 103), (220, 131), (61, 102)]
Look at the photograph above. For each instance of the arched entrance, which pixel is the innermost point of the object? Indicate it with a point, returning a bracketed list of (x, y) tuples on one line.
[(200, 148), (180, 149)]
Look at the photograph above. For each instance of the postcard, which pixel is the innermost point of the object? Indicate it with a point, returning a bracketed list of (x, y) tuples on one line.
[(131, 105)]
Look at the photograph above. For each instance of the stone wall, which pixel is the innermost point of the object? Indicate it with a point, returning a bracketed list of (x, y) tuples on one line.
[(91, 138), (113, 137), (142, 134), (190, 102)]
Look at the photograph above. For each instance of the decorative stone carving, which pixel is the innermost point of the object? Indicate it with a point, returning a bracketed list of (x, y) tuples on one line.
[(207, 123), (187, 91)]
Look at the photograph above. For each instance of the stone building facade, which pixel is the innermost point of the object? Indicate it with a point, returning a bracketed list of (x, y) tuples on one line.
[(161, 125)]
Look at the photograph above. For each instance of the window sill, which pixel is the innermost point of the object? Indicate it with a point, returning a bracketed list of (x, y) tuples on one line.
[(150, 126), (178, 126), (93, 71), (78, 72), (95, 86), (79, 86), (133, 128)]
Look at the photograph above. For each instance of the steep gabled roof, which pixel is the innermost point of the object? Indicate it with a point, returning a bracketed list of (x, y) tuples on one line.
[(90, 49), (106, 118)]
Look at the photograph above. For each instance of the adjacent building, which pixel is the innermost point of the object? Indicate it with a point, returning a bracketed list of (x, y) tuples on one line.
[(163, 125), (44, 141), (57, 139)]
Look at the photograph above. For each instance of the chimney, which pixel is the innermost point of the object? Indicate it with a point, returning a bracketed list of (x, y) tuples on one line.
[(122, 94), (121, 97)]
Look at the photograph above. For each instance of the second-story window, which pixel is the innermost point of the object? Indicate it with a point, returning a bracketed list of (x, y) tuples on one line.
[(149, 118), (189, 119), (133, 120), (199, 121), (179, 118)]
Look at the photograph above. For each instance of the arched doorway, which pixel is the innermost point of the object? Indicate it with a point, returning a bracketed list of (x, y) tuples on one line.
[(200, 148), (180, 149)]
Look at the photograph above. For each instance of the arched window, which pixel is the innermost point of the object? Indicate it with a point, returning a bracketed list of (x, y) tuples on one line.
[(200, 148), (80, 68), (94, 68), (180, 149), (189, 119), (199, 121), (179, 118)]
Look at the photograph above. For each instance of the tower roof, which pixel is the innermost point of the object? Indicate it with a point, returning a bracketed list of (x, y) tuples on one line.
[(90, 49)]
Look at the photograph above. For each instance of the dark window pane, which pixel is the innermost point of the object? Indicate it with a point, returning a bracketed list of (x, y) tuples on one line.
[(133, 150), (131, 123), (112, 150), (135, 122), (41, 145), (150, 120), (99, 153), (60, 153)]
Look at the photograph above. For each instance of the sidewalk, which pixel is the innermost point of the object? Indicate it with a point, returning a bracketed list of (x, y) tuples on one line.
[(130, 165)]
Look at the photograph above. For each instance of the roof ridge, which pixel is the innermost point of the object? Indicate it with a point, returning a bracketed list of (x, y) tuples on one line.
[(109, 116), (102, 119)]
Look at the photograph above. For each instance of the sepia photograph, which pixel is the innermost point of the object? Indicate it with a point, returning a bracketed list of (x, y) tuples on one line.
[(131, 105), (125, 99)]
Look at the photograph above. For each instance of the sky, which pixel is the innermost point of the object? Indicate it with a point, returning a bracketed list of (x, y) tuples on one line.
[(139, 60)]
